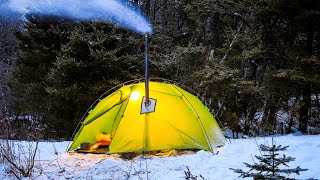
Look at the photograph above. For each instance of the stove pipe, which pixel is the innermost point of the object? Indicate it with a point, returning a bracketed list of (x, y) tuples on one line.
[(146, 71)]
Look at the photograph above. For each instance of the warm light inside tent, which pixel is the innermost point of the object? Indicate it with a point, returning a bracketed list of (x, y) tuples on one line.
[(135, 96)]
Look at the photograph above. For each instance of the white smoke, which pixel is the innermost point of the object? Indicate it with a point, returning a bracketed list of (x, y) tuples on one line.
[(114, 11)]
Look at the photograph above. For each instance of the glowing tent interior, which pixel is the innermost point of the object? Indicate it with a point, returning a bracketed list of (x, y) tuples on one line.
[(175, 119)]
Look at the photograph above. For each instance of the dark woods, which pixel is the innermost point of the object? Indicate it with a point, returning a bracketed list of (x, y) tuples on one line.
[(254, 63)]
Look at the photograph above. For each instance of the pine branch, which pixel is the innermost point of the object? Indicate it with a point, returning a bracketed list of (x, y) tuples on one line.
[(296, 170), (284, 160), (244, 174)]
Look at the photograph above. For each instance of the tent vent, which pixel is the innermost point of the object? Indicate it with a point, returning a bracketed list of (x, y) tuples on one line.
[(151, 107)]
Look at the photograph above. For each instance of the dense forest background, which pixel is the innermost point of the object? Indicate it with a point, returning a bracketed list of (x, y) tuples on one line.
[(254, 63)]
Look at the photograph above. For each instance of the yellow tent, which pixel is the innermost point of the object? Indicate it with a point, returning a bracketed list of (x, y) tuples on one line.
[(176, 120)]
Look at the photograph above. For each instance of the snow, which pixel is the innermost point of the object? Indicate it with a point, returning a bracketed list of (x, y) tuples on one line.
[(54, 163)]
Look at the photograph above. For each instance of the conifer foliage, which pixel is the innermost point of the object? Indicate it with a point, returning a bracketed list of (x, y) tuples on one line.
[(270, 164), (255, 64)]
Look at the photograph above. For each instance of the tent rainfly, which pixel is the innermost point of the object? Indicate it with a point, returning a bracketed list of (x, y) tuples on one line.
[(175, 119)]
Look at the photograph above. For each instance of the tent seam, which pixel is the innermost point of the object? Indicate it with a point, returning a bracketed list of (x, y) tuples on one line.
[(202, 127)]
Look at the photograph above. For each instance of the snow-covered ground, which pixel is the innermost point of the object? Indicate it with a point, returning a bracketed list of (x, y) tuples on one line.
[(53, 163)]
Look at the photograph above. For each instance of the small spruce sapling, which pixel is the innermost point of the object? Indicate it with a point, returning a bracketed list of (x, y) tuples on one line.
[(269, 164)]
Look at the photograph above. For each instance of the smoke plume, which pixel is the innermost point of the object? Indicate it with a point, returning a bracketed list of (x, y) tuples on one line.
[(115, 11)]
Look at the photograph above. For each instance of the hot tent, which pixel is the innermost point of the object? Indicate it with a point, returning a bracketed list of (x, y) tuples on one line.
[(177, 120)]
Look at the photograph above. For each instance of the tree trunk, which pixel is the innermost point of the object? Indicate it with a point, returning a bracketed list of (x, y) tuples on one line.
[(204, 25), (155, 9), (304, 110), (310, 40), (290, 124), (147, 8), (273, 110), (164, 14), (215, 29)]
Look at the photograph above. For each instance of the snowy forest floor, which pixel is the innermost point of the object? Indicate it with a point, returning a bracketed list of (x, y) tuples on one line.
[(52, 162)]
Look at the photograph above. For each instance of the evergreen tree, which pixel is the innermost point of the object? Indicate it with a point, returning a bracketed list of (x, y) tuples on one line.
[(97, 57), (292, 60), (269, 166), (40, 43), (243, 58), (9, 24), (65, 66)]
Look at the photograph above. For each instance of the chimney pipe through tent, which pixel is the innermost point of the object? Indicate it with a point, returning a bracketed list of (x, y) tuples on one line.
[(146, 72), (148, 104)]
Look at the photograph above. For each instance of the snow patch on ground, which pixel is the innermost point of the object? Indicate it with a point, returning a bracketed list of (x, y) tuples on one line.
[(54, 163)]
